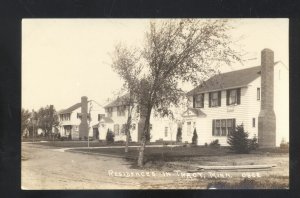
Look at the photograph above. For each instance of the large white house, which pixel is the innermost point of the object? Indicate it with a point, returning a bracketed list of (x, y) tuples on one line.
[(78, 120), (116, 117), (257, 97)]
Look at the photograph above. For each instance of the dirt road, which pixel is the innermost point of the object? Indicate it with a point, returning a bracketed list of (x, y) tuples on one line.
[(46, 167)]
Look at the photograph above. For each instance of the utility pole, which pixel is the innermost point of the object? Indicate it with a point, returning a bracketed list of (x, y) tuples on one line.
[(32, 119)]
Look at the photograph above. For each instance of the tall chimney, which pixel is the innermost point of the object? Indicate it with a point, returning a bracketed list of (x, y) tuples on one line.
[(83, 126), (267, 118)]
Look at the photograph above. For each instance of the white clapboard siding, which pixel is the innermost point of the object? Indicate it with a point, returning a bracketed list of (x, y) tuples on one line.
[(281, 102), (242, 113)]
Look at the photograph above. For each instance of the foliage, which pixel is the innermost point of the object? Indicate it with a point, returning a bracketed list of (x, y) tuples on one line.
[(179, 135), (25, 119), (239, 142), (110, 137), (214, 144), (175, 51), (253, 143), (195, 137), (47, 118)]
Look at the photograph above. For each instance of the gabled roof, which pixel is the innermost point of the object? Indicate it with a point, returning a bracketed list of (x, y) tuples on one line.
[(119, 101), (233, 79), (196, 111), (70, 109)]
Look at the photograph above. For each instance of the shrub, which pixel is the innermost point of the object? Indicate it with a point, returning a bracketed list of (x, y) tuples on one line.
[(253, 144), (284, 144), (179, 135), (195, 137), (239, 142), (110, 136), (214, 144)]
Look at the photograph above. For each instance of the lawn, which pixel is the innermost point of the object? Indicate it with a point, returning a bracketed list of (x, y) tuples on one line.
[(74, 144), (178, 153)]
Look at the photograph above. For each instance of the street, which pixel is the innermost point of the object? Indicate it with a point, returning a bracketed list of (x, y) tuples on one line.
[(48, 168)]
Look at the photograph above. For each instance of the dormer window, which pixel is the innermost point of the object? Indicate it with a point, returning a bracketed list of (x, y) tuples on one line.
[(198, 101), (233, 96)]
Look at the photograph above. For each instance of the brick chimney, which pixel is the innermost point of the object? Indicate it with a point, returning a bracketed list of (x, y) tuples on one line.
[(83, 126), (267, 118)]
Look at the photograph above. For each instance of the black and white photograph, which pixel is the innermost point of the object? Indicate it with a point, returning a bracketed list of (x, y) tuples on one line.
[(185, 103)]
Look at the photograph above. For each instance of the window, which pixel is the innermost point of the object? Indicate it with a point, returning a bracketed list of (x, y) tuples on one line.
[(258, 93), (253, 122), (215, 99), (222, 127), (123, 130), (109, 111), (166, 131), (198, 101), (121, 110), (116, 129), (100, 116), (233, 96)]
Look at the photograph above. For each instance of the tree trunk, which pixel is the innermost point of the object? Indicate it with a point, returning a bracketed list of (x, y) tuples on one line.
[(127, 132), (144, 139)]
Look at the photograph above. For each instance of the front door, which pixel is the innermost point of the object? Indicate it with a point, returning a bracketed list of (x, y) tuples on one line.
[(189, 128), (95, 133)]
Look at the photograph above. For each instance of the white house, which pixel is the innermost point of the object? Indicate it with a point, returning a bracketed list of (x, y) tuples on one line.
[(257, 97), (116, 118), (78, 120)]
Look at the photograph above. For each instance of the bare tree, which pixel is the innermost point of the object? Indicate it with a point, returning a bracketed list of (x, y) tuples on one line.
[(125, 64), (175, 51)]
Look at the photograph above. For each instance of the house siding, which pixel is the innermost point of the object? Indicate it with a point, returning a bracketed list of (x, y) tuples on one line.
[(281, 102), (241, 113)]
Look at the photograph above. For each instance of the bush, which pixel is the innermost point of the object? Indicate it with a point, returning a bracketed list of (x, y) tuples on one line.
[(195, 137), (214, 144), (179, 135), (239, 142), (253, 144), (284, 144), (110, 137)]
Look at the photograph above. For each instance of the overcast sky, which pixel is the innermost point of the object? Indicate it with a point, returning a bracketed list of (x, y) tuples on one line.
[(64, 59)]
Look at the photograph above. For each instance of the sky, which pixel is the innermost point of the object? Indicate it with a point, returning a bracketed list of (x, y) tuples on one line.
[(64, 59)]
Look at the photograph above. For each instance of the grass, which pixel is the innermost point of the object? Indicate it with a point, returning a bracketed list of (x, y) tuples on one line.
[(163, 153), (74, 144)]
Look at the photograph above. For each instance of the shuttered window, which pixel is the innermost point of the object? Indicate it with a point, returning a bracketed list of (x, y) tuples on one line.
[(233, 96), (198, 101), (222, 127), (215, 99)]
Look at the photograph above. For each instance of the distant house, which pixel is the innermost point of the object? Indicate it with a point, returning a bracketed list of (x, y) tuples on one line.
[(257, 97), (78, 120), (116, 119)]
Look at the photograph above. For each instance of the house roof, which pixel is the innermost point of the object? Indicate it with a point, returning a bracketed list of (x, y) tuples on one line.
[(196, 111), (118, 102), (106, 120), (233, 79), (70, 109)]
